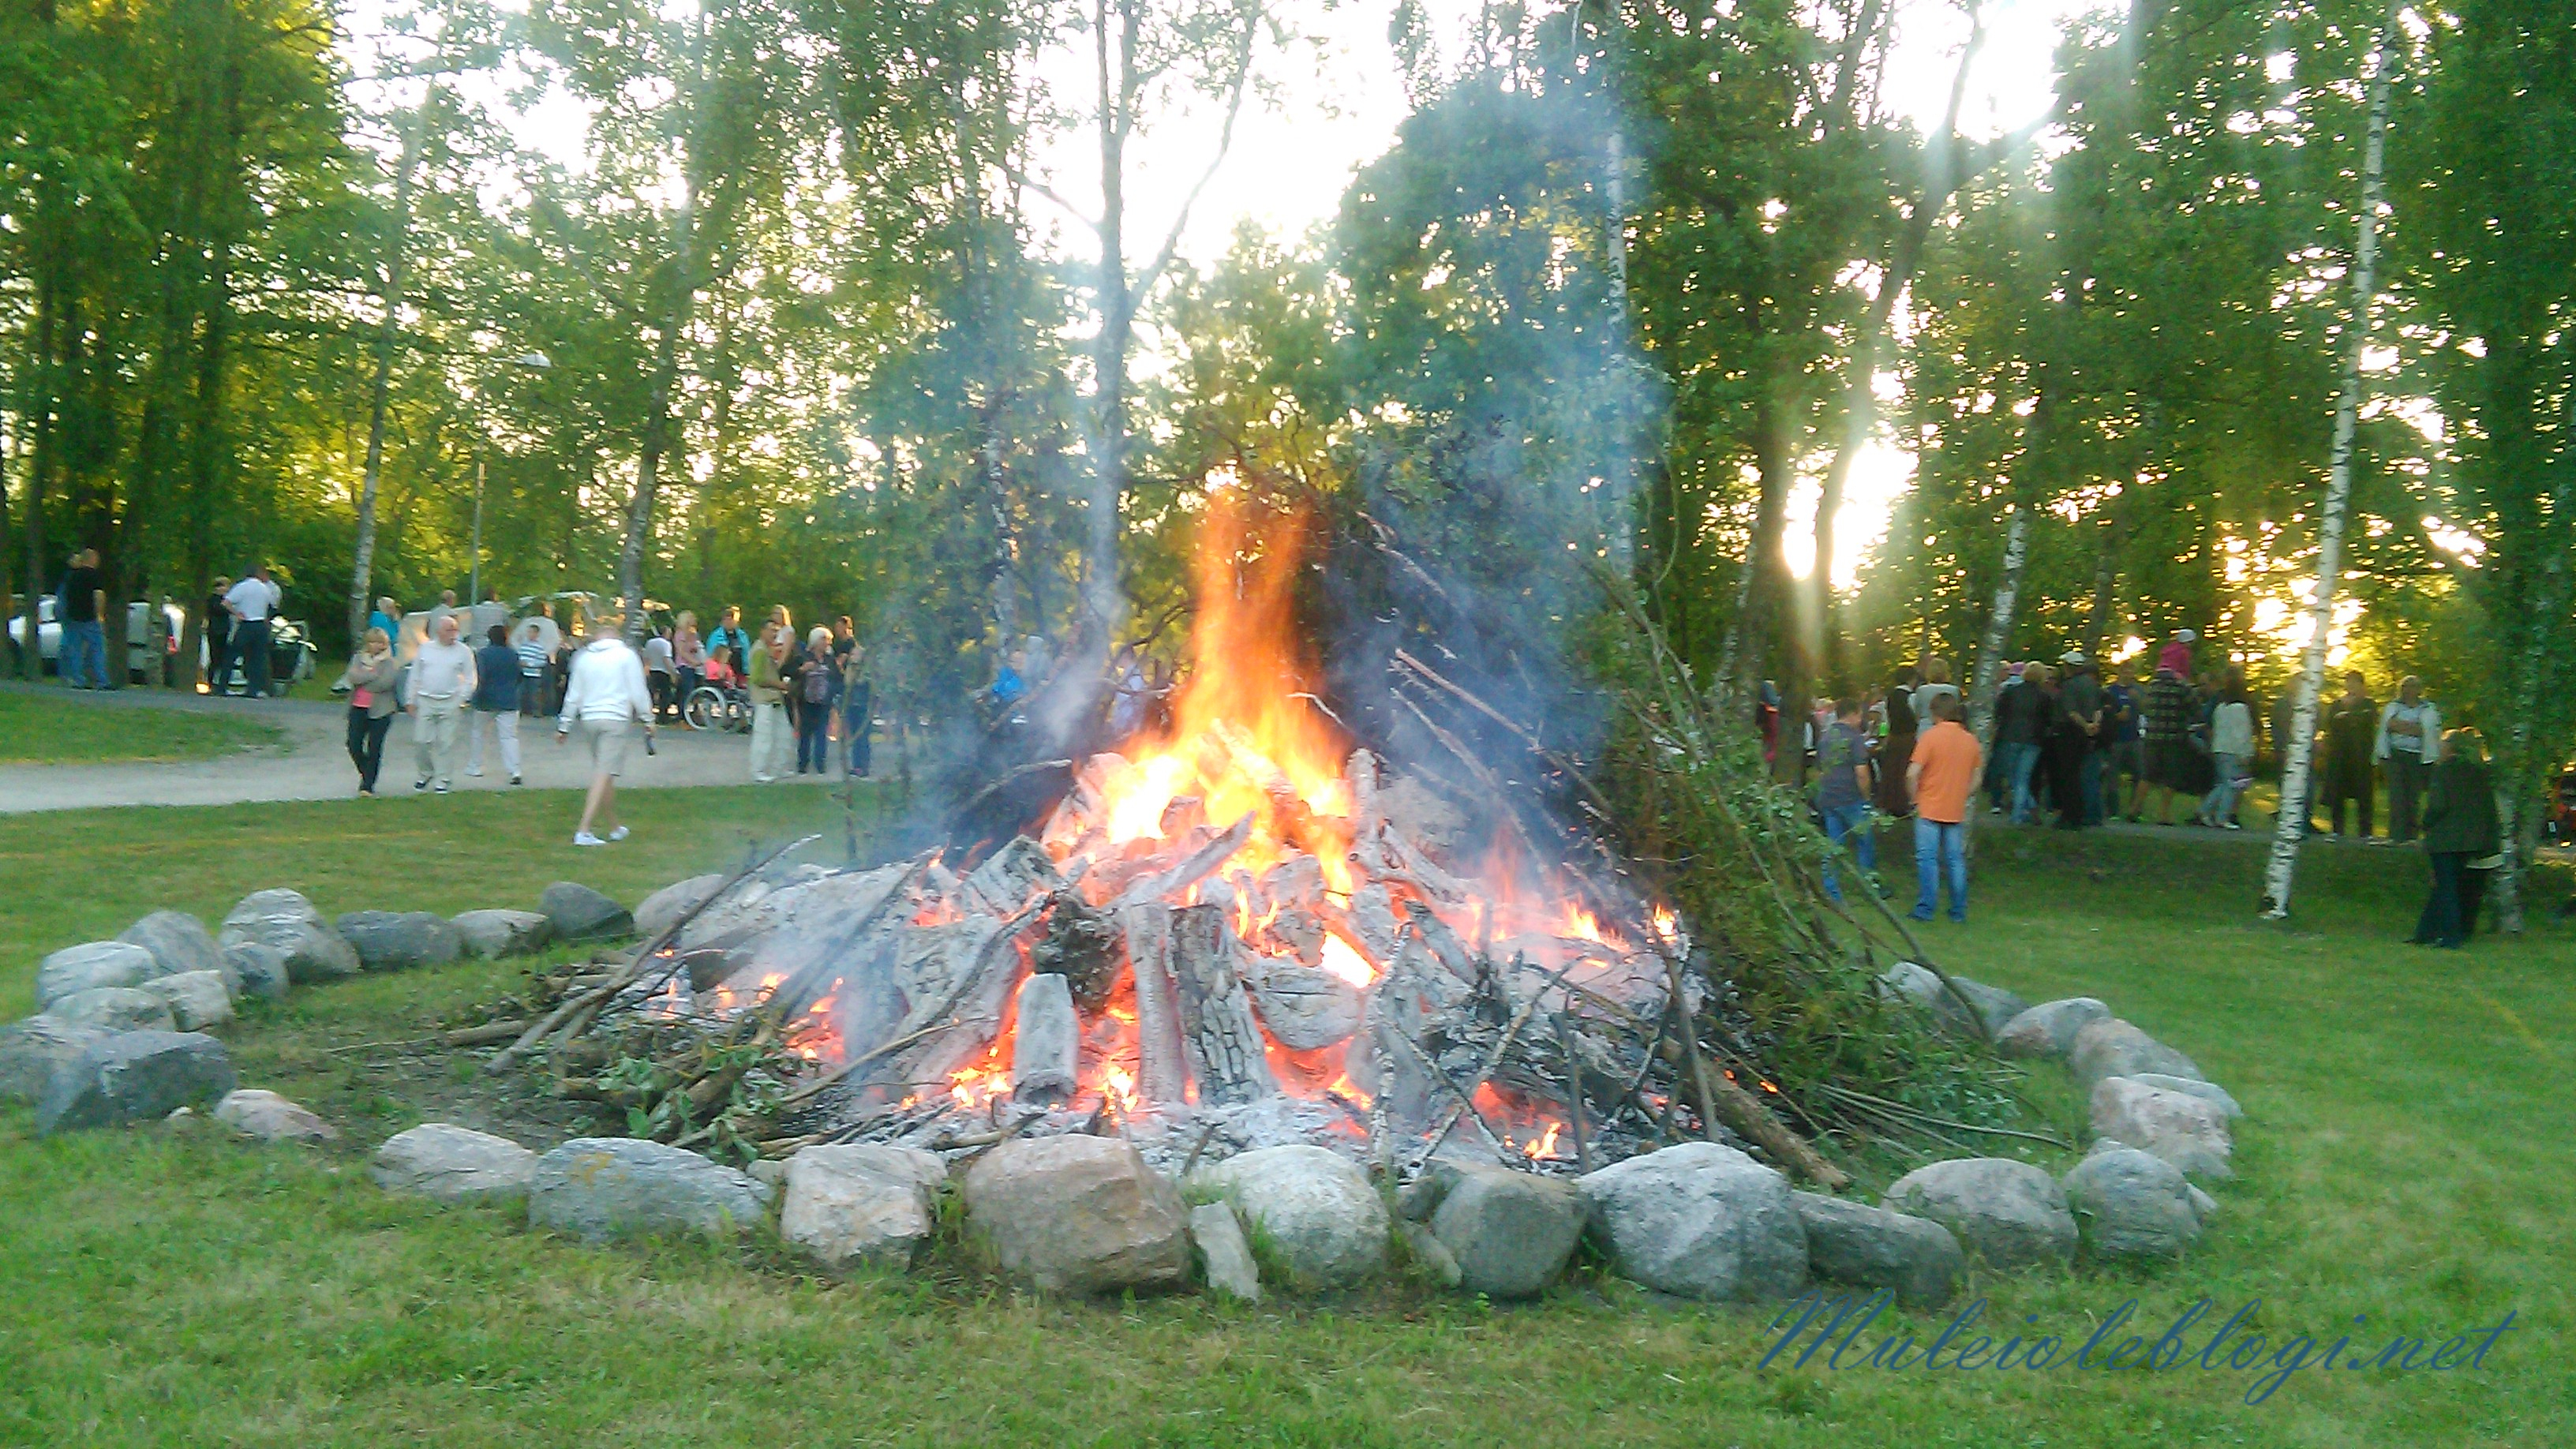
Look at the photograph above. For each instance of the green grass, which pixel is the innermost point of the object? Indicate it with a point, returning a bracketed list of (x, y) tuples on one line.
[(57, 730), (2405, 1159)]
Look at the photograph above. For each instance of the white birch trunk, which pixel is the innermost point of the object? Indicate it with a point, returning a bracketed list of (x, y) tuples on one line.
[(2291, 826), (1990, 650)]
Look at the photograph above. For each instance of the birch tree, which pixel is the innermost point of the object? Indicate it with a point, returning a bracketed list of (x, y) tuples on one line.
[(2290, 827)]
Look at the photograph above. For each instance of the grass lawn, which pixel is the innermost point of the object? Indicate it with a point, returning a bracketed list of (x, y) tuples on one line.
[(49, 730), (2404, 1163)]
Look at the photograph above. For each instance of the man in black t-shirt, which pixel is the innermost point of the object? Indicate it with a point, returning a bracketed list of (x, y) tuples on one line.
[(81, 603)]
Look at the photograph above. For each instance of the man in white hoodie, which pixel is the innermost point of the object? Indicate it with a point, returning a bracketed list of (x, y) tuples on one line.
[(607, 698)]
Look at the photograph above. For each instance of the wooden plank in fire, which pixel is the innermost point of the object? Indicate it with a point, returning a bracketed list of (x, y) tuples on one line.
[(1014, 875), (1163, 1070), (1197, 866), (1367, 852), (1217, 1024)]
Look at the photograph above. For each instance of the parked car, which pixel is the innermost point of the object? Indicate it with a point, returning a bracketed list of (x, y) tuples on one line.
[(290, 659), (146, 648)]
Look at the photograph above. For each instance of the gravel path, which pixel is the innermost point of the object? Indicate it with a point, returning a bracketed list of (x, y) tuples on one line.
[(311, 761)]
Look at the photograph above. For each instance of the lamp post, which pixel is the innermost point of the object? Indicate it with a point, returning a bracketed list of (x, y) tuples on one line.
[(533, 362)]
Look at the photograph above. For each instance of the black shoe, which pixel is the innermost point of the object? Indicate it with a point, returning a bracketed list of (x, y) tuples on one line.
[(419, 785), (514, 780)]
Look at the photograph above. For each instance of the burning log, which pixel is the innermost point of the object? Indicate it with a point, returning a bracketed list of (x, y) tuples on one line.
[(1009, 877), (1081, 945), (1306, 1009), (1217, 1024), (1164, 1066), (1197, 866), (1046, 1045)]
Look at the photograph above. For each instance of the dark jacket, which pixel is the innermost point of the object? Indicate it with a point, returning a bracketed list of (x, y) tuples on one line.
[(2460, 809), (496, 679)]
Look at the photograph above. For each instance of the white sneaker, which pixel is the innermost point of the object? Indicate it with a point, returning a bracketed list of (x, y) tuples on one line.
[(477, 774), (618, 834), (584, 837), (764, 779)]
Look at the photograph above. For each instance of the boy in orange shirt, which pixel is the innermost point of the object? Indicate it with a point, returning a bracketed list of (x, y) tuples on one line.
[(1944, 771)]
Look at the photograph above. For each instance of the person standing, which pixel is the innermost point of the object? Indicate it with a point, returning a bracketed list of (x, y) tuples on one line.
[(818, 691), (388, 617), (2121, 756), (252, 602), (2410, 731), (2022, 722), (2462, 839), (1936, 682), (2082, 693), (728, 634), (605, 695), (2351, 731), (80, 602), (488, 614), (769, 729), (1843, 789), (858, 698), (219, 634), (845, 637), (2231, 755), (496, 694), (661, 674), (374, 674), (549, 638), (443, 678), (2165, 720), (1942, 777), (1895, 749), (446, 608)]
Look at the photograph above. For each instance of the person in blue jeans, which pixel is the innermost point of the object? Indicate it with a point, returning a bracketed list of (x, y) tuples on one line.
[(81, 604), (1842, 789), (1943, 776)]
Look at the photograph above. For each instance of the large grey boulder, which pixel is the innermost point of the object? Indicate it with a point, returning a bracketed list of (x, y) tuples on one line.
[(114, 1008), (135, 1076), (1224, 1253), (268, 1117), (197, 999), (2189, 1087), (1915, 1258), (1699, 1220), (664, 908), (494, 934), (2047, 1031), (1510, 1233), (178, 942), (853, 1204), (598, 1188), (2009, 1213), (92, 966), (449, 1163), (2186, 1130), (2133, 1204), (257, 970), (400, 940), (1078, 1214), (579, 913), (31, 1051), (286, 922), (1316, 1209), (2115, 1048), (1995, 1007)]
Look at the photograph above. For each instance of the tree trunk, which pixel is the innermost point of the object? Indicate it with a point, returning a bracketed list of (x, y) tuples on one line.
[(2291, 826), (40, 463), (659, 425), (2537, 678), (362, 573), (2106, 578), (1998, 636)]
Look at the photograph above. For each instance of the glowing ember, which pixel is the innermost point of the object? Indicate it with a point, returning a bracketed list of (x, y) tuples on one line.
[(1542, 1146)]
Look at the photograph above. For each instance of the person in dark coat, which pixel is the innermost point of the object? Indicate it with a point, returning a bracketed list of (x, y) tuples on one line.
[(2462, 838), (1896, 751)]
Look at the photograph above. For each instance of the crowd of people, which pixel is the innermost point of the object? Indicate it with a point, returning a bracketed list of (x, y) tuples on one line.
[(2075, 746), (466, 674)]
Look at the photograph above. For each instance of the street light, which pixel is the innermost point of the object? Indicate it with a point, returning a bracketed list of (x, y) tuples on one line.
[(533, 362)]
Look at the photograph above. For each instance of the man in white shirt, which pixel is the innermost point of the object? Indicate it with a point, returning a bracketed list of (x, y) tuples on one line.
[(486, 615), (2410, 744), (251, 603), (606, 697), (443, 677)]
